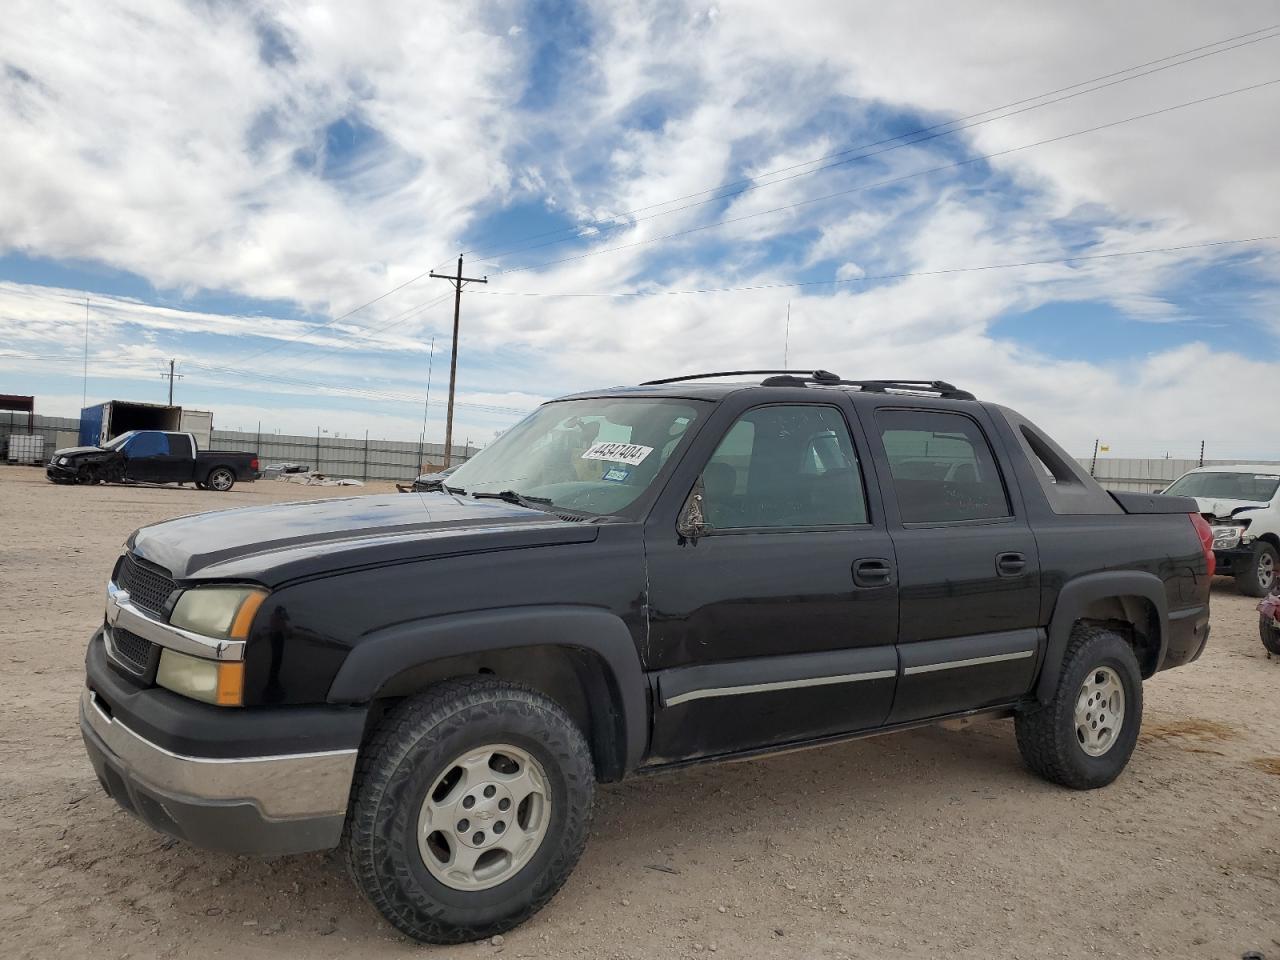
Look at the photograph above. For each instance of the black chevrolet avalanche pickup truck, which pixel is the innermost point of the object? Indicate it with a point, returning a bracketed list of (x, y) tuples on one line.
[(629, 580), (152, 456)]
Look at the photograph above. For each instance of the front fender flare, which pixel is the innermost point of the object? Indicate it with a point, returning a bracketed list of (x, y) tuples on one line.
[(1074, 600), (385, 653)]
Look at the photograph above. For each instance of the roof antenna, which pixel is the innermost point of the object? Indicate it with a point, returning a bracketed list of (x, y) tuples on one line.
[(786, 342)]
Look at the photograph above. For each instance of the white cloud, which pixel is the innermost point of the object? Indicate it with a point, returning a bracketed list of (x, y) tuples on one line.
[(176, 142)]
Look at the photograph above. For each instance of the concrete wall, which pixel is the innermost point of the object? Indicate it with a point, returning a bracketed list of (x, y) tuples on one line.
[(337, 457)]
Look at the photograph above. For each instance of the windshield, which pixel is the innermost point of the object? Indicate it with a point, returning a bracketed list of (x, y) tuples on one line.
[(592, 456), (1259, 487), (119, 441)]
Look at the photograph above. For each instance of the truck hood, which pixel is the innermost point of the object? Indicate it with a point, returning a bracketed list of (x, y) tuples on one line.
[(77, 451), (273, 544), (1223, 509)]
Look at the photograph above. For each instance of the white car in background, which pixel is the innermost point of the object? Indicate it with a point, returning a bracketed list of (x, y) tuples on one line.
[(1241, 501)]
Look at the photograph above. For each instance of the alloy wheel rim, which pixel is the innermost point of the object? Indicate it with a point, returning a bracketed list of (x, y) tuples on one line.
[(1266, 569), (484, 818), (1099, 712), (219, 480)]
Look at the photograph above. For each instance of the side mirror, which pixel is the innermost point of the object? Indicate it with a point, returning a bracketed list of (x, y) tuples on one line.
[(1158, 490), (692, 523)]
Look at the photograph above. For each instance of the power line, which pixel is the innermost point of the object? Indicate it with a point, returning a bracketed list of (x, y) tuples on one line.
[(890, 181), (752, 183), (328, 323), (889, 276), (730, 189), (367, 335)]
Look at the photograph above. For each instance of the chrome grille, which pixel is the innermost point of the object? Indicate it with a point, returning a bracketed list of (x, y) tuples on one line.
[(148, 587)]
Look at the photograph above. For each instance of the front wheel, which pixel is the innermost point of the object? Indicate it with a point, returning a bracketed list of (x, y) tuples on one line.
[(1270, 637), (220, 479), (1258, 572), (470, 807), (1083, 737)]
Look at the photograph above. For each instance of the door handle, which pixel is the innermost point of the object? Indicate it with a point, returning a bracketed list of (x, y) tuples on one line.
[(1011, 564), (872, 572)]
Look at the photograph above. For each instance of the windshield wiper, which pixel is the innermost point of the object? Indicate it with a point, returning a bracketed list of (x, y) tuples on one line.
[(519, 499), (448, 489)]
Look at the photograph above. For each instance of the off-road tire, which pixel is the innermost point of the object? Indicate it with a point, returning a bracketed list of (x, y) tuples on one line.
[(399, 764), (1248, 580), (1047, 734), (1270, 637)]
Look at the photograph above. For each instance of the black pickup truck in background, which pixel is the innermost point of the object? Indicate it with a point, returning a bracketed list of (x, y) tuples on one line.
[(628, 580), (153, 456)]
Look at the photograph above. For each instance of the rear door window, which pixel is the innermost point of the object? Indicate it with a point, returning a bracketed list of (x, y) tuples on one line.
[(943, 467)]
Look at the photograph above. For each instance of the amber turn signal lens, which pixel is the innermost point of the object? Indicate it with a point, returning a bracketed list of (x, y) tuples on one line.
[(244, 616), (230, 684)]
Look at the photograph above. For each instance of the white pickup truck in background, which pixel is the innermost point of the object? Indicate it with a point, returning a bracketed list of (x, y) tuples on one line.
[(1241, 501)]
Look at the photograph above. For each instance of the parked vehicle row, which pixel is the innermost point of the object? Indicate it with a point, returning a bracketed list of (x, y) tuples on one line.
[(629, 580)]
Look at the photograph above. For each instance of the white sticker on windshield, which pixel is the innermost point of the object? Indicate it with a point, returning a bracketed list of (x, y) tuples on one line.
[(631, 453), (1266, 476)]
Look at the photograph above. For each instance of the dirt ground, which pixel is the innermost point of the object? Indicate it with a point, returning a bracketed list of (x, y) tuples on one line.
[(928, 844)]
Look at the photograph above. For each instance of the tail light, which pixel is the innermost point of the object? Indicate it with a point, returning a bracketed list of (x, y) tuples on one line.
[(253, 464), (1205, 533)]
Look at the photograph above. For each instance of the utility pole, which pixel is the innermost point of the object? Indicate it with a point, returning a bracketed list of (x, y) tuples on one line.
[(426, 405), (1202, 453), (786, 342), (172, 376), (84, 397), (458, 281)]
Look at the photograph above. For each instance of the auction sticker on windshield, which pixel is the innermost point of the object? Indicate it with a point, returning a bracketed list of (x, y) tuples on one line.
[(630, 453)]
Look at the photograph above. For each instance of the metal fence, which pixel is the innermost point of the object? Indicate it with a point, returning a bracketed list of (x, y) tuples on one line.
[(369, 459), (1147, 476), (360, 458)]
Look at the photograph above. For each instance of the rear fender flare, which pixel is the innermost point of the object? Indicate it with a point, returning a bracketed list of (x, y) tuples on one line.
[(1075, 599), (388, 652)]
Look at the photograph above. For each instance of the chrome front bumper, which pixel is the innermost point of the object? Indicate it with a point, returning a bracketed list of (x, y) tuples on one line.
[(267, 804)]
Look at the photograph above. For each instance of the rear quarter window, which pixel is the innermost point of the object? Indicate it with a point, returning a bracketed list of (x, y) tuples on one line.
[(942, 466)]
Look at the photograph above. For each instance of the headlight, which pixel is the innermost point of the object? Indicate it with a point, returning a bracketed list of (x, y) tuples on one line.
[(62, 461), (221, 612), (213, 681), (1224, 538)]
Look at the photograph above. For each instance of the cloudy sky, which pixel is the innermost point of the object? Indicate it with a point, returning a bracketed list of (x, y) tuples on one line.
[(648, 187)]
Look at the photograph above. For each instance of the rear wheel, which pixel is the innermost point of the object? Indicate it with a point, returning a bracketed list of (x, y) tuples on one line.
[(1083, 737), (220, 479), (1257, 574), (470, 807)]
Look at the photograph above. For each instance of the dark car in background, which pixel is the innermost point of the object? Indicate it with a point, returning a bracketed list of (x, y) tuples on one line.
[(153, 456)]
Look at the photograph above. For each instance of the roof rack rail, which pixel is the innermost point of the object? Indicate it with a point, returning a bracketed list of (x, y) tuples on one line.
[(810, 376), (799, 378)]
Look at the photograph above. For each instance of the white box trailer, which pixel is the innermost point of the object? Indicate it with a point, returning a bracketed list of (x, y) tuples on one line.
[(198, 423), (104, 421)]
